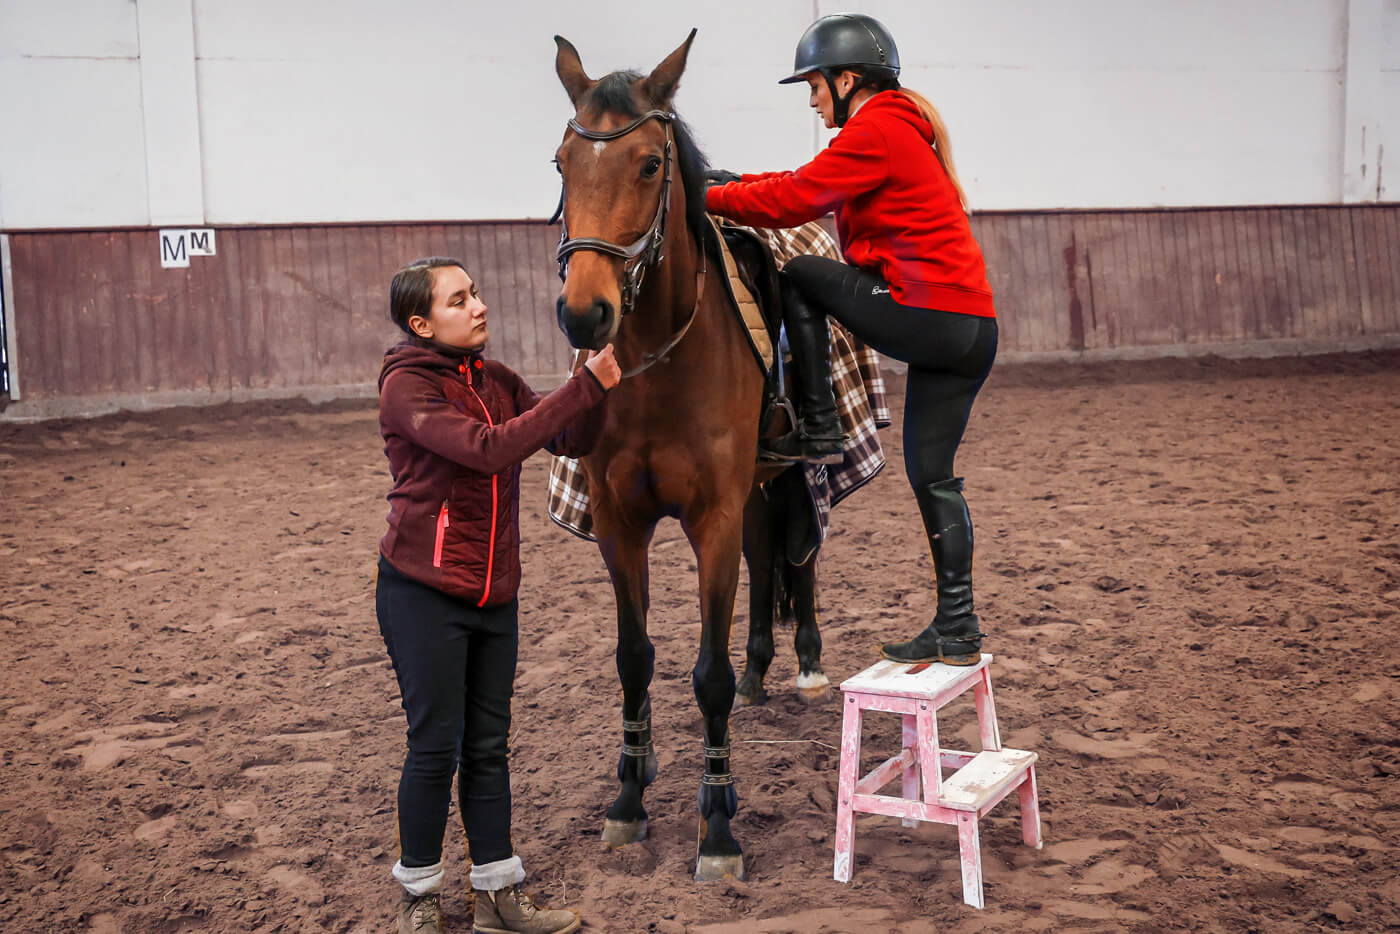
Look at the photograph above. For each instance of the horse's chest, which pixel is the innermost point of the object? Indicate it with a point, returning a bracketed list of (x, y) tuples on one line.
[(660, 479)]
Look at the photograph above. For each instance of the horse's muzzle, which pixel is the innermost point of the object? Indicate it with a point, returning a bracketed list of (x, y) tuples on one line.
[(586, 328)]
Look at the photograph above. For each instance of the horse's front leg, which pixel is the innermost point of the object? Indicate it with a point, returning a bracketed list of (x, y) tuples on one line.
[(716, 539), (625, 553), (759, 552)]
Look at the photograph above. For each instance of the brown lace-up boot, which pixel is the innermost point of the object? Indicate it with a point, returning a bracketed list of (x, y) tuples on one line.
[(420, 914), (511, 911)]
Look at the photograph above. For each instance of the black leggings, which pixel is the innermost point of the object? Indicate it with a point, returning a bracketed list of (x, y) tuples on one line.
[(949, 355), (456, 669)]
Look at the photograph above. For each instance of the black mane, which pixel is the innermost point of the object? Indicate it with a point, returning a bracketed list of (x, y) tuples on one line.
[(613, 94)]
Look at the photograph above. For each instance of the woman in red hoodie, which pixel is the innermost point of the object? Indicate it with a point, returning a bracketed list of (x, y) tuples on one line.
[(916, 287), (456, 428)]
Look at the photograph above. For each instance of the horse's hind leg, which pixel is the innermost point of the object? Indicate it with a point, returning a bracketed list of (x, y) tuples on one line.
[(807, 641), (797, 538), (717, 545), (626, 558), (758, 554)]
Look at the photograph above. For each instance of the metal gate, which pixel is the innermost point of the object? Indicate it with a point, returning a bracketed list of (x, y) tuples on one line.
[(8, 389)]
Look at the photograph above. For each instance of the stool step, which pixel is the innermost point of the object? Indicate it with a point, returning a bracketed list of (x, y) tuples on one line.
[(986, 779), (925, 680)]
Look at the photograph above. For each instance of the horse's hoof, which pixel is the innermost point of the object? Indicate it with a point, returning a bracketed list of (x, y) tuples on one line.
[(618, 833), (813, 686), (718, 868), (751, 700)]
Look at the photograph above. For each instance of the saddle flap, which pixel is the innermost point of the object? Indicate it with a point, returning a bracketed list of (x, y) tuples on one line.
[(751, 283)]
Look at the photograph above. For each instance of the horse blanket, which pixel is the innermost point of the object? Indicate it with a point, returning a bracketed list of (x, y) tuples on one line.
[(860, 403)]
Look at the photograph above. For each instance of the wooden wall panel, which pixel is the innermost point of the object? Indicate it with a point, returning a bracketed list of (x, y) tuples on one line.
[(292, 307)]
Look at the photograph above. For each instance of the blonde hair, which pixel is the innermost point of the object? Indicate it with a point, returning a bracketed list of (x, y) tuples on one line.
[(942, 146)]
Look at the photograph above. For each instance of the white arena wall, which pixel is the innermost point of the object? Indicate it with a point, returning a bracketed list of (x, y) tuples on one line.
[(120, 113)]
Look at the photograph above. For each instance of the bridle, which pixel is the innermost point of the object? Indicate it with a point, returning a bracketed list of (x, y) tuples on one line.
[(646, 250)]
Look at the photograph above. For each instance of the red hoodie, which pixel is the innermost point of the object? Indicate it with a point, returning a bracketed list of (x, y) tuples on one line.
[(456, 429), (897, 213)]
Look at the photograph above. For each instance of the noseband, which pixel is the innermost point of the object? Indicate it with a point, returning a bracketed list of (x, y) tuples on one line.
[(642, 253)]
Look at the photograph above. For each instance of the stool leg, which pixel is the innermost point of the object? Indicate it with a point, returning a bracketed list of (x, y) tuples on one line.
[(930, 758), (987, 711), (911, 772), (1030, 810), (846, 790), (970, 850)]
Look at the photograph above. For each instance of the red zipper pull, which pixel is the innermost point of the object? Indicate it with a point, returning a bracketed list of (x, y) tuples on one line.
[(442, 523)]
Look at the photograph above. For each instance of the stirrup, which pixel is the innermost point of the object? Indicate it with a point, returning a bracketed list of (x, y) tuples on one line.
[(798, 448)]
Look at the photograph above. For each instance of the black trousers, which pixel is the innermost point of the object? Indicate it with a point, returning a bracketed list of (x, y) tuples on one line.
[(949, 355), (455, 665)]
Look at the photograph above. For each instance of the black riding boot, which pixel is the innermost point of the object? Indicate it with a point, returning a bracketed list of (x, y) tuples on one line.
[(953, 636), (818, 438)]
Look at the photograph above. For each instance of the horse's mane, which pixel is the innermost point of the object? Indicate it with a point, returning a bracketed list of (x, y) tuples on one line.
[(613, 94)]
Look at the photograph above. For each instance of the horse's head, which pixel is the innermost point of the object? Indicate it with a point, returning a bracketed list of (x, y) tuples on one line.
[(617, 188)]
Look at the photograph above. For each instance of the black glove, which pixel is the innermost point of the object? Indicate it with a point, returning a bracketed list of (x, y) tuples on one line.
[(720, 177)]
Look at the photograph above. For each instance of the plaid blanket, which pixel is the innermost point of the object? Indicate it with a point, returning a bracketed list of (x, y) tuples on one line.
[(860, 404)]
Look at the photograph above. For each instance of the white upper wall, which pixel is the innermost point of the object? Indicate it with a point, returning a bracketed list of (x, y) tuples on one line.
[(438, 109), (72, 147), (1096, 103), (1389, 110)]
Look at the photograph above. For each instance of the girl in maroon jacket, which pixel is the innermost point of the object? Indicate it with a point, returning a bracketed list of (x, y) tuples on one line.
[(916, 287), (456, 427)]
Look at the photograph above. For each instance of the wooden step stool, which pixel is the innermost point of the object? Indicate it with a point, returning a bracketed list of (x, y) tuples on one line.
[(979, 783)]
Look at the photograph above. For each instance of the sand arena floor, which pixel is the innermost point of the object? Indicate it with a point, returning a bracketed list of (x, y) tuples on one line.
[(1190, 571)]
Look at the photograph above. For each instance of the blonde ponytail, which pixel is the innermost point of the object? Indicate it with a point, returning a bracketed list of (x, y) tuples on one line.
[(942, 146)]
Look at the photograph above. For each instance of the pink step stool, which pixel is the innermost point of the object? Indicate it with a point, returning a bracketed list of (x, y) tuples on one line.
[(977, 785)]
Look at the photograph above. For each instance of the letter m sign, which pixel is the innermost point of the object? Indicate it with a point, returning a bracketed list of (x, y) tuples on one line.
[(177, 246), (174, 249)]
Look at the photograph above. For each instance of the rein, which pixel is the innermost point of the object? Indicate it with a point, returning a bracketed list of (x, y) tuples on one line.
[(644, 252)]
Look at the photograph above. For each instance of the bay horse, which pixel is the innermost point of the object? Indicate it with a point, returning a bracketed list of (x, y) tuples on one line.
[(681, 430)]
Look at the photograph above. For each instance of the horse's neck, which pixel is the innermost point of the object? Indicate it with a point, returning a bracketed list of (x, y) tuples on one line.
[(667, 299)]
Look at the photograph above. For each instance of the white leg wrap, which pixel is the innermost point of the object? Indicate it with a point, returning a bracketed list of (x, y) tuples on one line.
[(419, 880), (498, 875)]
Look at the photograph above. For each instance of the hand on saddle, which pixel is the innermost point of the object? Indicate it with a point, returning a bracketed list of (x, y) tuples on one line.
[(603, 365), (720, 177)]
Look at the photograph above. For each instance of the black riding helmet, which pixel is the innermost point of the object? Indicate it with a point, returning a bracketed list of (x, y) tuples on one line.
[(847, 41)]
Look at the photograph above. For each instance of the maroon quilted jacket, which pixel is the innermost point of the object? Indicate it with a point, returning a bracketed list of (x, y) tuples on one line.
[(456, 429)]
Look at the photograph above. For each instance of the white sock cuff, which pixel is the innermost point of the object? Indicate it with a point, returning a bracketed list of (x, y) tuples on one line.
[(419, 880), (492, 876)]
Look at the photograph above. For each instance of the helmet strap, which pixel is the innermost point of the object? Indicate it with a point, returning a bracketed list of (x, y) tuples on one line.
[(841, 106)]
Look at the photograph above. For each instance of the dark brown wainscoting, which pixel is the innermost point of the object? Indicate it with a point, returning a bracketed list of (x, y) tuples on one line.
[(280, 309)]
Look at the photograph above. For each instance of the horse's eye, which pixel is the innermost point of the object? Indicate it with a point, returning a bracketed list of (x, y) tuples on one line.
[(651, 167)]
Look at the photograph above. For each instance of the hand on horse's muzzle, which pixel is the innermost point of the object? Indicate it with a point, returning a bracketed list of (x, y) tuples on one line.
[(721, 177)]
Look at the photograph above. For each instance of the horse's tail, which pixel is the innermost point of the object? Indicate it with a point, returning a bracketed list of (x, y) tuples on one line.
[(784, 614)]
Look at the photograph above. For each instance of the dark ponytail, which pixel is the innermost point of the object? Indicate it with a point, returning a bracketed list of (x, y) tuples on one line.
[(411, 291)]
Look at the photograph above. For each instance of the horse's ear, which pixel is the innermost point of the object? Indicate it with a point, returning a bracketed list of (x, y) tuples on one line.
[(570, 70), (660, 86)]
